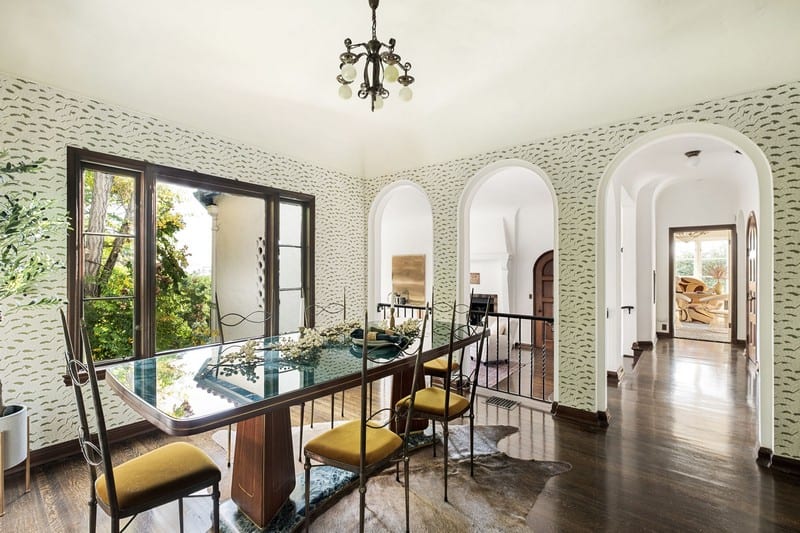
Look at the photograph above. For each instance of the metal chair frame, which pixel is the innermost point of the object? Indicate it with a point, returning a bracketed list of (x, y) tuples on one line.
[(259, 316), (364, 470), (96, 451), (471, 379), (309, 320)]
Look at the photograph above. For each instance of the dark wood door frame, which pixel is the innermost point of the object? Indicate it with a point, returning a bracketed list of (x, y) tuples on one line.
[(539, 300), (751, 290), (731, 261)]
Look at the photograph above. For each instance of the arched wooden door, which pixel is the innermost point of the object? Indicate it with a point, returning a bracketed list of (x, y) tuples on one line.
[(752, 286), (543, 298)]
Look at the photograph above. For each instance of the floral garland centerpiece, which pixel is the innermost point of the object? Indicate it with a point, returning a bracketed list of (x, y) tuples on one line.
[(338, 334), (408, 328), (304, 350)]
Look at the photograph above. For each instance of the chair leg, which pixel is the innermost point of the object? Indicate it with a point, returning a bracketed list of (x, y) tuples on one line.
[(215, 498), (2, 475), (311, 424), (362, 502), (92, 507), (307, 468), (115, 525), (471, 444), (229, 444), (405, 475), (180, 514), (300, 446), (333, 408), (433, 423), (445, 434)]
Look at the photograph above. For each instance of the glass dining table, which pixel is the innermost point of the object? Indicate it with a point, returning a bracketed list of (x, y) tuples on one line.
[(252, 384)]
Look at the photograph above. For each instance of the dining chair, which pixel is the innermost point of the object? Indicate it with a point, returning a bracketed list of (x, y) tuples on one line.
[(172, 472), (311, 313), (234, 320), (443, 404), (368, 445), (437, 368)]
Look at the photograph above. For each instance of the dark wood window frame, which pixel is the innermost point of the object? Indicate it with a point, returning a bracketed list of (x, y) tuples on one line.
[(147, 176)]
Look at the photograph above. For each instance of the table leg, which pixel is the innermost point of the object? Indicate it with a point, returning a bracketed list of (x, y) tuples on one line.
[(401, 387), (263, 467)]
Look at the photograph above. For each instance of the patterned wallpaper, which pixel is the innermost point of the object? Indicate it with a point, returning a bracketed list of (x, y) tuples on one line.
[(39, 121), (575, 163)]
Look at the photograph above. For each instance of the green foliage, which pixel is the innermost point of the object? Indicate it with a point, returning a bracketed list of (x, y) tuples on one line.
[(182, 299), (25, 222)]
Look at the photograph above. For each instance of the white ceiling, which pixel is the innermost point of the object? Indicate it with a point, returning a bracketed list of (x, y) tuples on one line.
[(489, 73)]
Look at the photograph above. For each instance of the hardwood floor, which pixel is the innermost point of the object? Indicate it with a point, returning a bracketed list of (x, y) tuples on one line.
[(679, 455)]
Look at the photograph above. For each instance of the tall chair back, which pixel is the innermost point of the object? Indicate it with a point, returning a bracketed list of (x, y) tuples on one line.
[(325, 312), (232, 320), (82, 373)]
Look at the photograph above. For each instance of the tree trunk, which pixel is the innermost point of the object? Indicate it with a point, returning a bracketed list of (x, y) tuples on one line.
[(93, 245), (116, 246)]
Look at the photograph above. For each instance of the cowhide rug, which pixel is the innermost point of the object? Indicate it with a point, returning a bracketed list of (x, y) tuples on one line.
[(498, 498)]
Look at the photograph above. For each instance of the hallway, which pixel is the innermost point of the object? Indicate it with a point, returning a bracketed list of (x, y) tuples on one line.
[(679, 454)]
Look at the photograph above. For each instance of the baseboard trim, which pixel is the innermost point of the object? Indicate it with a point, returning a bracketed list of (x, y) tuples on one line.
[(613, 378), (764, 457), (739, 343), (663, 335), (64, 450), (786, 465), (596, 420), (643, 345)]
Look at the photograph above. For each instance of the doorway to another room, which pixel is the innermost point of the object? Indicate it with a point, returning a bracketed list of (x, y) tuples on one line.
[(702, 263)]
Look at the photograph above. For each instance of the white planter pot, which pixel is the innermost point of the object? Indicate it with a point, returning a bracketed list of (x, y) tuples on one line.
[(14, 427)]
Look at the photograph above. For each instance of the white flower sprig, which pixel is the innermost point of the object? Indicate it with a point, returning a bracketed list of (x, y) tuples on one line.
[(408, 328), (339, 332), (304, 349)]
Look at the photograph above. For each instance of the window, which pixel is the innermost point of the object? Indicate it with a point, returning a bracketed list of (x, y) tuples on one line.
[(154, 248)]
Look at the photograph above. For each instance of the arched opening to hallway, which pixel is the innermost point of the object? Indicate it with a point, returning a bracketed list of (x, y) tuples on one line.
[(650, 187)]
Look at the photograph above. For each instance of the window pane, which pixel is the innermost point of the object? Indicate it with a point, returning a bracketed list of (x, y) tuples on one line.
[(291, 268), (108, 203), (291, 224), (110, 326), (291, 311), (108, 265)]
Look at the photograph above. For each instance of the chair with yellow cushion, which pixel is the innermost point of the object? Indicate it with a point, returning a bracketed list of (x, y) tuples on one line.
[(367, 445), (443, 404), (437, 368), (171, 472)]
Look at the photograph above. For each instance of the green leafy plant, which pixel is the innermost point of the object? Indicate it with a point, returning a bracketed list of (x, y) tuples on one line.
[(26, 221)]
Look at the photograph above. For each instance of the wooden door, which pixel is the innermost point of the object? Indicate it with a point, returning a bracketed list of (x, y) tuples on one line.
[(543, 299), (752, 287)]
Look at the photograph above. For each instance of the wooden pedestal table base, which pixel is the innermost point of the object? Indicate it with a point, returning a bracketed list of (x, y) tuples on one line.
[(263, 468)]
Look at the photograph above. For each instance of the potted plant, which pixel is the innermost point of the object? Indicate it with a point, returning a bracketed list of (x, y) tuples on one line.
[(25, 221)]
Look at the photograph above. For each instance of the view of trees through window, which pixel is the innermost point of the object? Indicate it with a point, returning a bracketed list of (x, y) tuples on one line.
[(183, 295)]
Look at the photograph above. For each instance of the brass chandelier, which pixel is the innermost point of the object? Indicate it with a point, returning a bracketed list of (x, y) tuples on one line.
[(382, 64)]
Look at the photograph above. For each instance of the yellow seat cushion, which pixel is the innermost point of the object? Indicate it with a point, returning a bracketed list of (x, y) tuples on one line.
[(431, 400), (159, 473), (438, 366), (342, 444)]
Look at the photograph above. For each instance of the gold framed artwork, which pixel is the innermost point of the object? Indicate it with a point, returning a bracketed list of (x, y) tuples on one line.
[(408, 278)]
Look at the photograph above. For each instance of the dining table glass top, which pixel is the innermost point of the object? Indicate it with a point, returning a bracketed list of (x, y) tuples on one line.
[(204, 381)]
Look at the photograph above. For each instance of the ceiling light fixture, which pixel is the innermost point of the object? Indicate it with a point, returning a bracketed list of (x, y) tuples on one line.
[(380, 66), (693, 158)]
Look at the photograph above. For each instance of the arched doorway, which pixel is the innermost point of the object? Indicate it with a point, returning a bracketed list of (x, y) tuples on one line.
[(506, 220), (400, 224), (608, 261)]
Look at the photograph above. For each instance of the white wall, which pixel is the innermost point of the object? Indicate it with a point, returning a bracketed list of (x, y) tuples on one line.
[(628, 277), (645, 264), (406, 228), (240, 223)]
